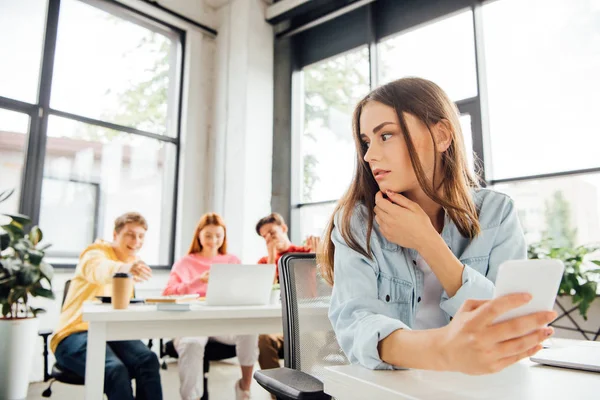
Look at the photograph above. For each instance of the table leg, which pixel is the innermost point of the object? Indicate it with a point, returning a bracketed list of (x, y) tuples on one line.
[(94, 365)]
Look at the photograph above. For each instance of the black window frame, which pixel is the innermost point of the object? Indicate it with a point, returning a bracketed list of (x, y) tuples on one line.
[(35, 149)]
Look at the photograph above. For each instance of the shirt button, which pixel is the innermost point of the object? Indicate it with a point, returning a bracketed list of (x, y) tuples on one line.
[(450, 318), (387, 298), (419, 299)]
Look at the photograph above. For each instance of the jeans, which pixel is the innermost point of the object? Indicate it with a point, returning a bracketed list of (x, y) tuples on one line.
[(125, 360)]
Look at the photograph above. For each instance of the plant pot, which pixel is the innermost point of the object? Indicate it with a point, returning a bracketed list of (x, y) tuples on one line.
[(571, 325), (17, 337)]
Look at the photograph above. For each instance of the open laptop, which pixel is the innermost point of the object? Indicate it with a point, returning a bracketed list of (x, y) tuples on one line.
[(240, 284), (582, 357)]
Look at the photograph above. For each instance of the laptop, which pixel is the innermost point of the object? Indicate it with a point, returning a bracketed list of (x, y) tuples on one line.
[(240, 284), (581, 357)]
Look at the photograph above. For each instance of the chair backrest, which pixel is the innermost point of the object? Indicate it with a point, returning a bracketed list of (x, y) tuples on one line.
[(309, 343), (65, 290)]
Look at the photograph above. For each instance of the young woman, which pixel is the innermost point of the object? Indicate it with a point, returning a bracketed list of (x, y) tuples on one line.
[(416, 245), (190, 275)]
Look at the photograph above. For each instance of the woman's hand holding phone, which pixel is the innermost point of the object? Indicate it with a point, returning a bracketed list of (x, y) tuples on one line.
[(474, 345)]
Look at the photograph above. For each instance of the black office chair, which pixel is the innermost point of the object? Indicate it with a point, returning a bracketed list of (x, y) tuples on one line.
[(214, 351), (308, 347), (59, 373)]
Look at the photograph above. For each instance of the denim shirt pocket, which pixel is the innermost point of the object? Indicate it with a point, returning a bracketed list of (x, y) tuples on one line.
[(396, 294)]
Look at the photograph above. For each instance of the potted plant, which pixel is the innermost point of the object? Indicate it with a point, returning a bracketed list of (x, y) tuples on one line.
[(23, 274), (579, 284)]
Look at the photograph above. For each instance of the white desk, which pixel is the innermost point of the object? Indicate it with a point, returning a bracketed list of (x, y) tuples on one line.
[(524, 380), (144, 321)]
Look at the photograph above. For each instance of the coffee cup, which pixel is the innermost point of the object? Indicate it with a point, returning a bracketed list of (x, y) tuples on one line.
[(122, 286)]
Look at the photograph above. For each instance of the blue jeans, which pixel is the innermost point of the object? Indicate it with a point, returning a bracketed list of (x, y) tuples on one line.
[(125, 360)]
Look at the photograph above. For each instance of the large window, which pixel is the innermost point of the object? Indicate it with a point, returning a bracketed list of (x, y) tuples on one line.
[(565, 210), (531, 66), (442, 51), (123, 78), (13, 143), (331, 89), (21, 41), (104, 122), (544, 85)]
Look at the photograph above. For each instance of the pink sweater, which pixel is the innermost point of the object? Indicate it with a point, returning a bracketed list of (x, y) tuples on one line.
[(184, 274)]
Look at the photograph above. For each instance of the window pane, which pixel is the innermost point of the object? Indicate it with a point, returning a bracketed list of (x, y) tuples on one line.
[(13, 144), (443, 52), (22, 26), (565, 209), (544, 85), (92, 175), (331, 90), (465, 125), (313, 220), (125, 77)]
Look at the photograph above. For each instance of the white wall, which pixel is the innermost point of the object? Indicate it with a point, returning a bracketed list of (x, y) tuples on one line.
[(226, 144), (244, 124)]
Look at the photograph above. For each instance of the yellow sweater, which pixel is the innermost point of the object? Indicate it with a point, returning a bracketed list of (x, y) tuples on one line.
[(93, 277)]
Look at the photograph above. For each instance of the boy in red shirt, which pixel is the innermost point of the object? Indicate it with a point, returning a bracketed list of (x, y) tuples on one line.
[(274, 230)]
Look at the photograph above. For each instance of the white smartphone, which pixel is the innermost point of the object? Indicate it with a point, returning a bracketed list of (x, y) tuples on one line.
[(540, 278)]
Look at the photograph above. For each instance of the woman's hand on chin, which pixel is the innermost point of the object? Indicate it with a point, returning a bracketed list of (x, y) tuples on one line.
[(402, 221)]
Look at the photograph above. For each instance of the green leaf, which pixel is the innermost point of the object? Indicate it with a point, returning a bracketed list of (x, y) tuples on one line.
[(36, 311), (15, 294), (47, 270), (597, 262), (593, 271), (6, 309), (4, 195), (4, 241), (19, 218), (42, 292), (15, 232), (28, 275), (7, 280), (45, 247), (35, 256), (35, 235)]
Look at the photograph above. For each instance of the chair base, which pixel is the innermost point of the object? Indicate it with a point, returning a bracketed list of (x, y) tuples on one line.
[(48, 391), (290, 384)]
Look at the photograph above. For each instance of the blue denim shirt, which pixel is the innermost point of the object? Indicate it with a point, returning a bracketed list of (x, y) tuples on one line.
[(373, 297)]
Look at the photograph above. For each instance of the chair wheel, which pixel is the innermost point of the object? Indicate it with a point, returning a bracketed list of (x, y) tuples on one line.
[(163, 365), (47, 392)]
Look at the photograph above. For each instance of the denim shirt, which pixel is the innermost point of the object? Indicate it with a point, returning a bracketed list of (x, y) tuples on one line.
[(374, 297)]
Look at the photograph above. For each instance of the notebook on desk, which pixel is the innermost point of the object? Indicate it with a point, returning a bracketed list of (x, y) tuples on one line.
[(173, 299), (585, 358)]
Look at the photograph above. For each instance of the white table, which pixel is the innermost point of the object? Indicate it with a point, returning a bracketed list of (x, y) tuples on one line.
[(524, 380), (144, 321)]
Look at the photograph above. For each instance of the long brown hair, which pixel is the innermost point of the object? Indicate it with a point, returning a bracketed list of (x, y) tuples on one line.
[(426, 101), (208, 219)]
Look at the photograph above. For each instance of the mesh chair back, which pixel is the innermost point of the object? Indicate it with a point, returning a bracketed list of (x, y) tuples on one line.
[(309, 342)]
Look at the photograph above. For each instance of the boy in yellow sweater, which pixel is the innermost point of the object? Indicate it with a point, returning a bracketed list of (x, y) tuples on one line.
[(127, 359)]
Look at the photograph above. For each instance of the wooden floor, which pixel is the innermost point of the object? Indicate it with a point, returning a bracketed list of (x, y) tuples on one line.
[(223, 376)]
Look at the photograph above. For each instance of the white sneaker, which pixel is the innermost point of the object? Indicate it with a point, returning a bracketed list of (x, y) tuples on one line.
[(241, 394)]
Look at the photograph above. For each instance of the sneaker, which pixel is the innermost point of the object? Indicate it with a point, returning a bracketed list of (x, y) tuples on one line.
[(241, 394)]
